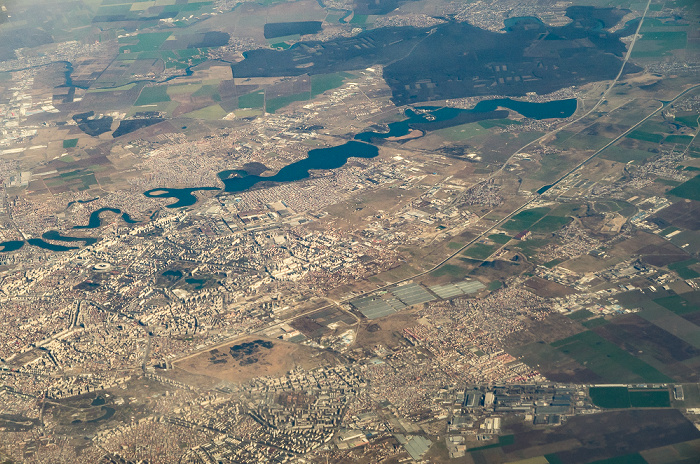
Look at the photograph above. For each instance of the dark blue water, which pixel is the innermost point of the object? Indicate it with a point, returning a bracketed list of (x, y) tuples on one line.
[(545, 110), (510, 23), (95, 221), (126, 218), (320, 158), (172, 273), (12, 245), (342, 20), (80, 201), (68, 73), (37, 242), (184, 196), (55, 235), (109, 412), (197, 283), (230, 172), (432, 118)]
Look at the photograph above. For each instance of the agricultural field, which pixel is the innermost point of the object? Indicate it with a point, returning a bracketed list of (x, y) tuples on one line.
[(608, 360), (623, 397)]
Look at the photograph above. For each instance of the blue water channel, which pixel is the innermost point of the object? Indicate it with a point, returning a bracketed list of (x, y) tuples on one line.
[(426, 118), (95, 220)]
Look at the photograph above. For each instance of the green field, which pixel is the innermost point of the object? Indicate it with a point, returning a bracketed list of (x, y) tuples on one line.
[(531, 245), (333, 18), (688, 120), (489, 123), (450, 270), (550, 224), (689, 189), (681, 139), (480, 250), (210, 112), (323, 82), (566, 209), (579, 315), (275, 104), (650, 398), (625, 155), (678, 304), (208, 91), (654, 126), (525, 219), (567, 141), (596, 322), (70, 143), (501, 239), (183, 89), (152, 95), (610, 397), (553, 459), (146, 42), (659, 43), (668, 182), (494, 285), (635, 458), (252, 100), (662, 317), (555, 262), (607, 359), (621, 397), (646, 136), (359, 19), (114, 9)]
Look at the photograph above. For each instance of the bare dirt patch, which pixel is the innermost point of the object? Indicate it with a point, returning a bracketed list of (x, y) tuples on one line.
[(547, 289), (253, 357)]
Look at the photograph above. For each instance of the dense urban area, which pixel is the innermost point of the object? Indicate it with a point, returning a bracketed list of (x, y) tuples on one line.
[(349, 231)]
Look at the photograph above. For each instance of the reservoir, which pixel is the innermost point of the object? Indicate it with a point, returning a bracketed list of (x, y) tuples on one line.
[(320, 158), (184, 196), (432, 118)]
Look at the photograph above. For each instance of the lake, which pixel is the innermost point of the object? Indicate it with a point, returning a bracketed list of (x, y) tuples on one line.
[(532, 110), (428, 118), (15, 245), (55, 235), (320, 158), (184, 196)]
